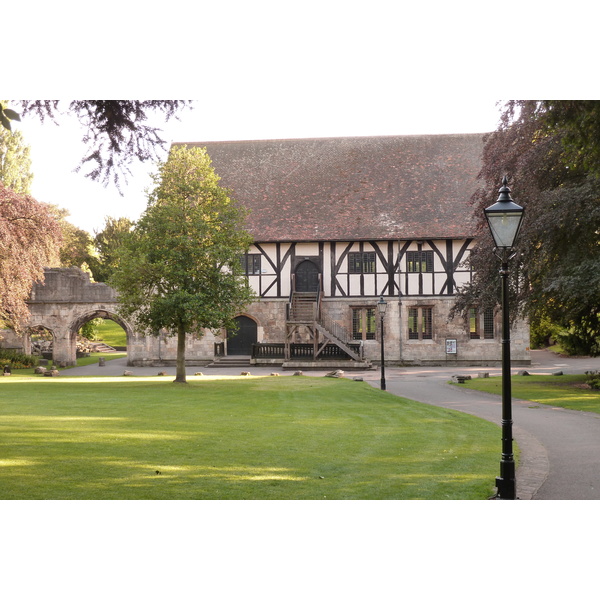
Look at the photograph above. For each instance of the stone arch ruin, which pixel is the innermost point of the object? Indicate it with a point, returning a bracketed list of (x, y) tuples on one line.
[(63, 303), (67, 299)]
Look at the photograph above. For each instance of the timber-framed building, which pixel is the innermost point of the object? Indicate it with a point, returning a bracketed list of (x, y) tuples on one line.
[(340, 222)]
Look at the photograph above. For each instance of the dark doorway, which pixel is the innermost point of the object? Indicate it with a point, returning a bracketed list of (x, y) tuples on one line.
[(307, 277), (241, 342)]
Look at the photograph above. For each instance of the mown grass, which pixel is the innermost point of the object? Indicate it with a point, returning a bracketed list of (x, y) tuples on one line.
[(94, 356), (241, 438), (566, 391), (112, 333)]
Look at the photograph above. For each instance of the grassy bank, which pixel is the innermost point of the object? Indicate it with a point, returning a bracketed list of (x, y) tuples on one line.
[(566, 391), (241, 438), (112, 334)]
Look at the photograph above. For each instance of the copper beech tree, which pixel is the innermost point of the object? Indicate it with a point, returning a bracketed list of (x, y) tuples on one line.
[(30, 239), (551, 152), (179, 268)]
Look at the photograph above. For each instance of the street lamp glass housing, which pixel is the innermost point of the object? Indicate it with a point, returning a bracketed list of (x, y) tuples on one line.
[(381, 306), (504, 218)]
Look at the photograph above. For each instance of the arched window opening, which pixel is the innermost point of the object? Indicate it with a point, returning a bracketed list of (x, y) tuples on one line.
[(41, 342)]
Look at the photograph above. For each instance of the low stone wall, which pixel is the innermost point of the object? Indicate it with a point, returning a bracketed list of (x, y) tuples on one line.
[(150, 351)]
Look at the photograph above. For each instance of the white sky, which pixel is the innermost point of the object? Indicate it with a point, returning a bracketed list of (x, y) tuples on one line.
[(265, 69)]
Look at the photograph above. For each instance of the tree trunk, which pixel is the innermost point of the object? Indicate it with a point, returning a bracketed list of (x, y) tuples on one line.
[(180, 373)]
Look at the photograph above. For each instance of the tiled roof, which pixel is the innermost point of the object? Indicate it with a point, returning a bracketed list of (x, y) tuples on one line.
[(359, 188)]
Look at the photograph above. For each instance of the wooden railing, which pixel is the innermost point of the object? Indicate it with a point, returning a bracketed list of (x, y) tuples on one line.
[(266, 350), (319, 296), (340, 332), (301, 351)]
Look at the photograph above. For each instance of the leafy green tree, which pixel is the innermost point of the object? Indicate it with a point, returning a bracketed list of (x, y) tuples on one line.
[(180, 268), (578, 124), (90, 330), (15, 163), (550, 150), (77, 247), (107, 244)]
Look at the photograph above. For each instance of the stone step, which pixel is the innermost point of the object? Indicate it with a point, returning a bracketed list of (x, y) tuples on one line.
[(231, 361), (102, 347)]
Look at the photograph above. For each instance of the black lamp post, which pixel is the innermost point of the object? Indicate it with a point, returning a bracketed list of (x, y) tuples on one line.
[(381, 306), (504, 219)]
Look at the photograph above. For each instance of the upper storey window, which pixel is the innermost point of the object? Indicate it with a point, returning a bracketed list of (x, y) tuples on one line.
[(420, 261), (361, 262), (251, 264)]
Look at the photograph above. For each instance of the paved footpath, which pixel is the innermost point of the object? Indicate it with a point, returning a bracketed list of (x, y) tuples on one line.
[(560, 448)]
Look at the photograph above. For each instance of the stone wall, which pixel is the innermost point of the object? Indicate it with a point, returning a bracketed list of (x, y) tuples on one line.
[(68, 299), (270, 316), (71, 285), (149, 351), (9, 339), (468, 351)]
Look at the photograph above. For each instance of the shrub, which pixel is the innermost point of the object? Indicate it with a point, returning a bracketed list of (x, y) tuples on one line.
[(573, 340), (579, 342), (17, 360), (593, 379), (90, 329), (543, 333)]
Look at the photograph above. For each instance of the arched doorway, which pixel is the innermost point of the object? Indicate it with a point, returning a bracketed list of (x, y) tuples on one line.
[(112, 333), (40, 342), (307, 277), (240, 343)]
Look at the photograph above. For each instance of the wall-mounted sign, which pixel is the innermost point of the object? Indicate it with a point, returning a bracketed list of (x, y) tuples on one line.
[(450, 346)]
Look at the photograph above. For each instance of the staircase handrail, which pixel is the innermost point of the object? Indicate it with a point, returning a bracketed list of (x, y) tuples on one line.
[(319, 296), (288, 308), (336, 329)]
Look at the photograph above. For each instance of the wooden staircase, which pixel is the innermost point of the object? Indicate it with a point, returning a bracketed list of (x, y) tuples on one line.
[(330, 337), (303, 307), (304, 311)]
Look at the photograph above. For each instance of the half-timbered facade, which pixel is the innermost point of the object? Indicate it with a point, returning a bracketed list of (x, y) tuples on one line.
[(340, 222)]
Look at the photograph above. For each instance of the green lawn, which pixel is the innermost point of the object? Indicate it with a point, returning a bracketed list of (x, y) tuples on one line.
[(241, 438), (94, 356), (566, 391), (112, 333)]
